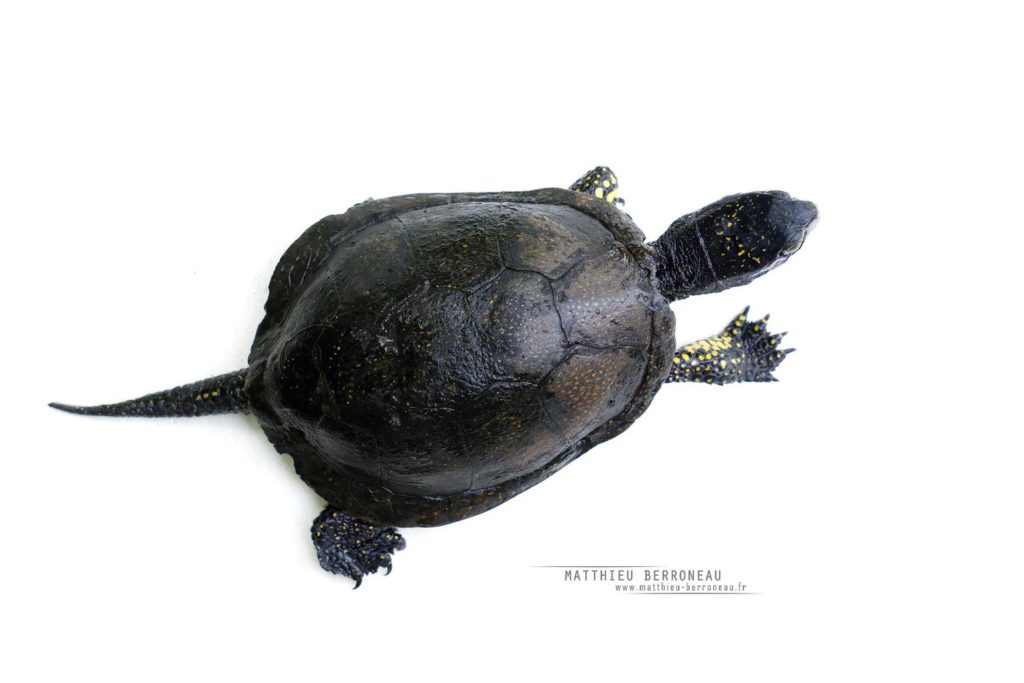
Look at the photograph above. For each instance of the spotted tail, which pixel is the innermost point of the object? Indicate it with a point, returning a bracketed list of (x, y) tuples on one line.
[(213, 396)]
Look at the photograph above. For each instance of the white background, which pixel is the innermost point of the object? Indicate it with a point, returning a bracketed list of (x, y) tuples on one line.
[(156, 162)]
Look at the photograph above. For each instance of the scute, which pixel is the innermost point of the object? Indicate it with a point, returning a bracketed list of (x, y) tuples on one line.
[(512, 420), (426, 357), (591, 387), (519, 325), (550, 239), (464, 254), (604, 301)]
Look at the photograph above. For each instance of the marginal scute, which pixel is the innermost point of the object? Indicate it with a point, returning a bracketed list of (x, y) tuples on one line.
[(426, 357)]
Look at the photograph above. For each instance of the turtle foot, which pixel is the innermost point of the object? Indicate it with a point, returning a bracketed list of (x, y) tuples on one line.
[(353, 547), (601, 183), (745, 351)]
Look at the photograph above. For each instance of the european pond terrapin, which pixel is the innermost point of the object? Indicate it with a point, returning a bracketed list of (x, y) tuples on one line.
[(426, 357)]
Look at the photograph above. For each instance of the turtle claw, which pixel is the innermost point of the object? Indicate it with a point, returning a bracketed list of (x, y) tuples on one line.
[(353, 547)]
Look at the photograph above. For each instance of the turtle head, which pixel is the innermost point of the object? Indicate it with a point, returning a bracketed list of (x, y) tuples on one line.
[(731, 242)]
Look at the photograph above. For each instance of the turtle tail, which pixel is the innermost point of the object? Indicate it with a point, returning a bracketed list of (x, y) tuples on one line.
[(212, 396)]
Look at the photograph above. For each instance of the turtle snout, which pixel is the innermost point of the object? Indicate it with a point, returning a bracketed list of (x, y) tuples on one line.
[(793, 219), (804, 213)]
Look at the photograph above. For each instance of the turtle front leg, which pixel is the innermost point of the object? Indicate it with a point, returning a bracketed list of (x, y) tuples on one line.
[(601, 183), (743, 352), (351, 546)]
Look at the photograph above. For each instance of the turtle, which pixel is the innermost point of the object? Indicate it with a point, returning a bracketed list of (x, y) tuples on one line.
[(426, 357)]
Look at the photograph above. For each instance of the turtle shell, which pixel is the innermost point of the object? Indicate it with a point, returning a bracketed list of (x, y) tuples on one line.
[(426, 357)]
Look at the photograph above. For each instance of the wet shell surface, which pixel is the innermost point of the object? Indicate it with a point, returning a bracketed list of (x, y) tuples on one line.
[(424, 358)]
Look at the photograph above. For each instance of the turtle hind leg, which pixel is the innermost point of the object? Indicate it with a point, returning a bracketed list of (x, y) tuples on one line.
[(743, 352), (601, 183), (351, 546)]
